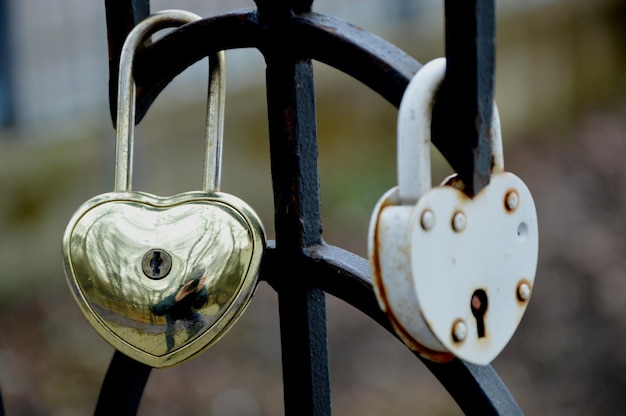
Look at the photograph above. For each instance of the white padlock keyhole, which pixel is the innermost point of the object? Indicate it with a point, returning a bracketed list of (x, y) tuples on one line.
[(454, 274)]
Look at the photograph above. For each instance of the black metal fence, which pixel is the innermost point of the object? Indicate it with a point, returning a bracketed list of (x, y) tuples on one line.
[(298, 264)]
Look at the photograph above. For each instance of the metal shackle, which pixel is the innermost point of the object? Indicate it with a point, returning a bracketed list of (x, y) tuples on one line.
[(126, 102), (414, 120)]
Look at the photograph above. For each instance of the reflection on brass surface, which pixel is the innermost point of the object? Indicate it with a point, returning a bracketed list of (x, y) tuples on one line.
[(163, 278), (215, 243)]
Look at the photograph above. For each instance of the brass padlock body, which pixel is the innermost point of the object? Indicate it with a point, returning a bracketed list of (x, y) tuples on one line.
[(163, 278)]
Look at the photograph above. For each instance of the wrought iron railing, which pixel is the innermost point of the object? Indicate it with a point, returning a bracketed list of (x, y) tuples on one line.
[(314, 267)]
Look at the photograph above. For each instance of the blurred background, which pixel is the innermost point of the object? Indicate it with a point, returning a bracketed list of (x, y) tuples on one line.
[(561, 92)]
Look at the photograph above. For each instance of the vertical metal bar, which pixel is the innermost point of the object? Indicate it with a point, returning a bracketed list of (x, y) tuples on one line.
[(463, 109), (7, 99), (293, 141), (293, 149), (121, 17), (306, 381), (2, 412)]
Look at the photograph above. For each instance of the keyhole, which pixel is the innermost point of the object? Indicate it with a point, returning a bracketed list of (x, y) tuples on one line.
[(479, 308), (156, 264)]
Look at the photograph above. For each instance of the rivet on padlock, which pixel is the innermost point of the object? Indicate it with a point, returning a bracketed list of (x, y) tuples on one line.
[(162, 278), (454, 274)]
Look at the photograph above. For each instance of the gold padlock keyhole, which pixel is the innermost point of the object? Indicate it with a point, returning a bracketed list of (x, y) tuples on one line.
[(156, 264)]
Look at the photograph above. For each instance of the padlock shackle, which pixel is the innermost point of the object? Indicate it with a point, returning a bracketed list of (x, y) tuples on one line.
[(414, 120), (214, 123), (126, 102)]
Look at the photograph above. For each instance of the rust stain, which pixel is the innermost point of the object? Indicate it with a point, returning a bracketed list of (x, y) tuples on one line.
[(508, 209), (523, 302), (407, 339), (413, 344)]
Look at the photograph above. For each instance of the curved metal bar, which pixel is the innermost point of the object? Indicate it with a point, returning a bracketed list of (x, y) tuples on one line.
[(362, 55), (465, 97), (282, 9), (338, 272), (123, 387), (121, 17)]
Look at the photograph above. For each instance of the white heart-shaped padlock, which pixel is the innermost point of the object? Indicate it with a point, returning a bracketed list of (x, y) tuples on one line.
[(454, 274)]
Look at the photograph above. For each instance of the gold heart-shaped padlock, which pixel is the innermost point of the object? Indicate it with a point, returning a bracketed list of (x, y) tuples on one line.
[(162, 278)]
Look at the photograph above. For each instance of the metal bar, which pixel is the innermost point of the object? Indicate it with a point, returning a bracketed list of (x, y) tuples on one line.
[(297, 218), (463, 108), (123, 387), (302, 310), (7, 98), (2, 412), (121, 17), (293, 149), (375, 62), (280, 9), (304, 348), (476, 389)]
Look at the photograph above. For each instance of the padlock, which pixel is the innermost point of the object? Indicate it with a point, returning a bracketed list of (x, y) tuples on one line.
[(454, 274), (163, 278)]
